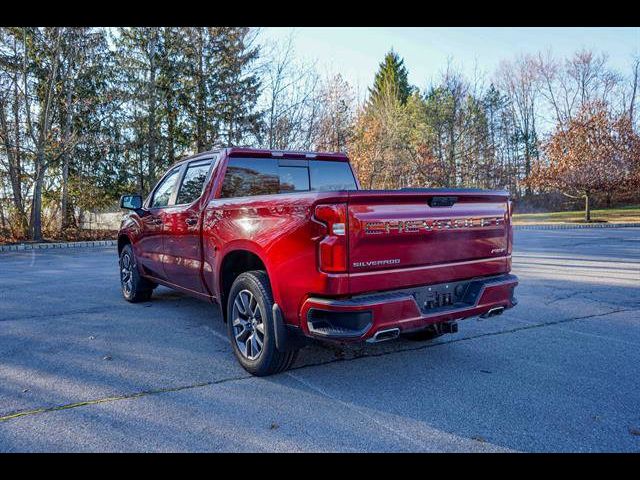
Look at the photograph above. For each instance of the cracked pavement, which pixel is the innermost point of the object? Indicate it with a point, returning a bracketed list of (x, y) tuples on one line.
[(83, 370)]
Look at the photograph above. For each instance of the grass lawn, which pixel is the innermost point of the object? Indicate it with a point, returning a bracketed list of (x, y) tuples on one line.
[(614, 215)]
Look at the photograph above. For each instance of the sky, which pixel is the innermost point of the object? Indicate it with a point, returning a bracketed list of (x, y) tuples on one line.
[(356, 52)]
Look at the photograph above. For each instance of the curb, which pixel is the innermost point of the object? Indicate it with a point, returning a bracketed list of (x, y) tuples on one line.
[(41, 246), (567, 226)]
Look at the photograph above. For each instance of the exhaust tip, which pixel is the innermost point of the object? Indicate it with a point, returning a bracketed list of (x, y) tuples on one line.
[(382, 335), (493, 312)]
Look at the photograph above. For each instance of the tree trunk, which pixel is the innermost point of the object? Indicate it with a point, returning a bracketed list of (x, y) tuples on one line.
[(15, 173), (527, 163), (141, 184), (171, 127), (3, 220), (16, 179), (64, 204), (587, 207), (41, 141), (36, 205), (201, 131), (152, 105)]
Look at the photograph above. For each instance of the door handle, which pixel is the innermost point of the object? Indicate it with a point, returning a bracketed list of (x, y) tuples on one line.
[(191, 221)]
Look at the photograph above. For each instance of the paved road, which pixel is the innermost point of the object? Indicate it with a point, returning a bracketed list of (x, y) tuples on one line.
[(90, 372)]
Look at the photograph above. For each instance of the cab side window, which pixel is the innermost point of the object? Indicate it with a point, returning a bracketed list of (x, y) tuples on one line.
[(193, 182), (164, 191), (247, 177)]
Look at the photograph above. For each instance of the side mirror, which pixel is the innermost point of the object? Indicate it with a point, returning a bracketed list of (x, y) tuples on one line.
[(131, 202)]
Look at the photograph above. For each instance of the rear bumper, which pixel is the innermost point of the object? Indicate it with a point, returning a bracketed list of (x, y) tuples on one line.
[(359, 318)]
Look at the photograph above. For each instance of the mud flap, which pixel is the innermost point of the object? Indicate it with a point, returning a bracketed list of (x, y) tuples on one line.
[(283, 343), (288, 337)]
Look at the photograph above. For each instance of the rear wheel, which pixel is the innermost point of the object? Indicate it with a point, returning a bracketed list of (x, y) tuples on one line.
[(250, 326), (134, 287)]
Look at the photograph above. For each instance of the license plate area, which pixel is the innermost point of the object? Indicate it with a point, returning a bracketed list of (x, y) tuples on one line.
[(446, 296), (438, 298)]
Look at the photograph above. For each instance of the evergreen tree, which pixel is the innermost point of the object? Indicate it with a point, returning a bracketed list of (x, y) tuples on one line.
[(393, 75), (200, 93), (238, 85), (86, 160), (175, 124), (221, 86), (138, 61)]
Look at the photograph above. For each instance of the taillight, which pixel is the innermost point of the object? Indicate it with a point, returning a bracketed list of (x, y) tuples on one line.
[(332, 251)]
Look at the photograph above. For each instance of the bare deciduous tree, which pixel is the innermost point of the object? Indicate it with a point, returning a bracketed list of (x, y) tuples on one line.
[(519, 80), (290, 100)]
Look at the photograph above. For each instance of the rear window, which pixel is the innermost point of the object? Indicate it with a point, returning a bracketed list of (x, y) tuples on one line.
[(266, 176), (329, 176)]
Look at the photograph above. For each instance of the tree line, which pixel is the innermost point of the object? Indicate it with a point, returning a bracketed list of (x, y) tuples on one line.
[(538, 125), (87, 114)]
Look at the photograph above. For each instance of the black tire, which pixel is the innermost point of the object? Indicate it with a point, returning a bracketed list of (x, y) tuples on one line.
[(430, 333), (250, 326), (134, 287)]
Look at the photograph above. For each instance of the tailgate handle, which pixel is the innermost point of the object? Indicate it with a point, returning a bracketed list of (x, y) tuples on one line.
[(442, 201)]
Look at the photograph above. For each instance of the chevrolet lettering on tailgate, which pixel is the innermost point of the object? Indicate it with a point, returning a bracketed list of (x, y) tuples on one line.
[(429, 225)]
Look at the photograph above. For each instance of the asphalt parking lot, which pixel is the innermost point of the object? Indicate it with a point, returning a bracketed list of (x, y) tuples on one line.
[(83, 370)]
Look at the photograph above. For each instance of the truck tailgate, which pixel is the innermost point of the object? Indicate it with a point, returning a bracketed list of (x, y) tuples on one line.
[(427, 229)]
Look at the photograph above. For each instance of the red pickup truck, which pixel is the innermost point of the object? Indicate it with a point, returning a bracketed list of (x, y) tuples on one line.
[(291, 249)]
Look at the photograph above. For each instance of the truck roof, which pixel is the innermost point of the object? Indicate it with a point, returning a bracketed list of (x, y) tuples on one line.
[(265, 153)]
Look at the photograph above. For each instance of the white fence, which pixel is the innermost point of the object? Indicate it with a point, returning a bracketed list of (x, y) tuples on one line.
[(101, 221)]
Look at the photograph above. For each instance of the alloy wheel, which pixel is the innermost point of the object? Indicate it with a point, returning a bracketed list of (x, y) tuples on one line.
[(126, 274), (248, 325)]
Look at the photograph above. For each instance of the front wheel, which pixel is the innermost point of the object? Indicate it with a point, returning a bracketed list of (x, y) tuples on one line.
[(250, 326), (134, 287)]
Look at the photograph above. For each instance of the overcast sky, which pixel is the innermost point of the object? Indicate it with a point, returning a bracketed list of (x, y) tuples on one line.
[(355, 52)]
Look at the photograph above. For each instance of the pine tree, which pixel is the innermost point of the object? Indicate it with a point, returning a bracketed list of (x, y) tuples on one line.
[(200, 93), (138, 61), (221, 85), (172, 82), (238, 85), (393, 75)]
